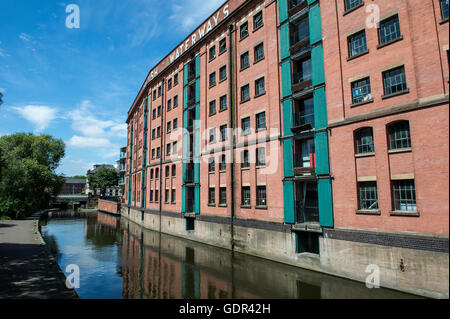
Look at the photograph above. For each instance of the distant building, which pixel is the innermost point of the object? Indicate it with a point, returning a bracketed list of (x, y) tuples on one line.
[(110, 191), (121, 162), (73, 186)]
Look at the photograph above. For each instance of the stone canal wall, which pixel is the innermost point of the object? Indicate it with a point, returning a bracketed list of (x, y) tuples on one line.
[(109, 207), (413, 263)]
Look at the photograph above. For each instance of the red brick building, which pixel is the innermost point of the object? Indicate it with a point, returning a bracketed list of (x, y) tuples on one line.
[(300, 130)]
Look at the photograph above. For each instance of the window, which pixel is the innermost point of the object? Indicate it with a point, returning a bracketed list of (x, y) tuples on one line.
[(223, 103), (212, 79), (212, 107), (361, 91), (211, 165), (159, 91), (175, 101), (167, 199), (259, 52), (223, 45), (154, 114), (153, 153), (173, 196), (404, 195), (357, 44), (156, 196), (350, 4), (368, 197), (244, 30), (223, 133), (175, 79), (151, 196), (169, 127), (158, 152), (175, 124), (245, 159), (444, 9), (389, 30), (245, 126), (399, 135), (168, 149), (169, 104), (300, 31), (153, 134), (174, 170), (154, 94), (223, 73), (159, 111), (212, 135), (212, 53), (158, 131), (169, 84), (174, 147), (302, 70), (212, 196), (245, 93), (261, 121), (222, 163), (244, 61), (157, 173), (261, 196), (364, 141), (394, 81), (261, 156), (258, 20), (167, 171), (223, 196), (259, 87), (246, 196), (151, 174)]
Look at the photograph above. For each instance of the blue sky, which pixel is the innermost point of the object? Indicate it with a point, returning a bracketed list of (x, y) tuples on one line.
[(78, 84)]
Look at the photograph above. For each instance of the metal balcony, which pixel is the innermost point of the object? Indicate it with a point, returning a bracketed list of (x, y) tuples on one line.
[(308, 213), (299, 165), (302, 122)]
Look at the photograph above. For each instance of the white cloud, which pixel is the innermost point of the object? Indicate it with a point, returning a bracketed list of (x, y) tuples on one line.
[(189, 14), (39, 115), (90, 142), (25, 37)]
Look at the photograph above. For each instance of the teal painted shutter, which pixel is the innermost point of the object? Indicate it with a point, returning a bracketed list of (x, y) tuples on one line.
[(185, 73), (197, 66), (183, 199), (197, 199), (315, 25), (322, 164), (185, 104), (288, 161), (284, 41), (325, 203), (287, 117), (320, 108), (197, 91), (283, 10), (286, 78), (289, 207), (311, 1), (318, 76)]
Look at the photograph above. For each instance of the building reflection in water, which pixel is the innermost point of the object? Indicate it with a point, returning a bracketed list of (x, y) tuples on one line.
[(159, 266)]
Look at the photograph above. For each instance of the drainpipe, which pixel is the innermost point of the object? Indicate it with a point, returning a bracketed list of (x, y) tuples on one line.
[(162, 151), (232, 138)]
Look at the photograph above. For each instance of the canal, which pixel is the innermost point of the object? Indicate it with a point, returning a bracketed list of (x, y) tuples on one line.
[(119, 259)]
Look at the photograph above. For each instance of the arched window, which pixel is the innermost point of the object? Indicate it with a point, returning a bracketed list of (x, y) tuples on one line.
[(398, 135), (364, 141), (174, 170)]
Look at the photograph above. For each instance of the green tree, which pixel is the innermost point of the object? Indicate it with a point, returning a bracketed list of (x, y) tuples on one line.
[(28, 181), (103, 178)]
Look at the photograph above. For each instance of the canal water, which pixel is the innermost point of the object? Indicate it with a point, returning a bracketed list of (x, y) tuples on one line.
[(119, 259)]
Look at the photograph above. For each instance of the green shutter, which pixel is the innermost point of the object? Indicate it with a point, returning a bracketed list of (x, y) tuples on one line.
[(289, 203), (318, 73), (197, 200), (315, 25), (311, 1), (322, 163), (183, 199), (283, 10), (186, 90), (185, 73), (284, 41), (320, 108), (287, 117), (196, 173), (288, 161), (197, 66), (286, 78), (325, 203), (197, 91)]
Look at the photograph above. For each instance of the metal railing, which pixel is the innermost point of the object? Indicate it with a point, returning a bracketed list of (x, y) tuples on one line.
[(301, 77), (300, 119)]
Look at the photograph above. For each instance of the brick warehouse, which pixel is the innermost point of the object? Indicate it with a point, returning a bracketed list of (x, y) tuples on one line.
[(303, 132)]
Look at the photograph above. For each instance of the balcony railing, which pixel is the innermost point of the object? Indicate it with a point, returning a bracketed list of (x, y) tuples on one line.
[(308, 213), (302, 122), (296, 6), (190, 206), (300, 77), (191, 100), (189, 174)]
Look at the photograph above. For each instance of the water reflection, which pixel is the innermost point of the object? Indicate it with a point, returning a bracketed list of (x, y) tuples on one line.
[(134, 263)]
